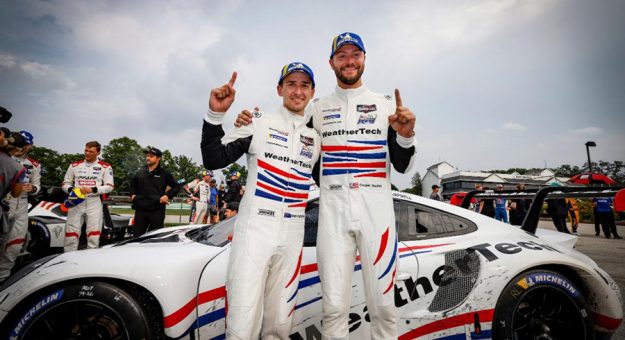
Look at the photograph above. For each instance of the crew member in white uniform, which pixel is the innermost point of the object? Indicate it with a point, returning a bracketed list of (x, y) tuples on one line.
[(201, 196), (266, 252), (93, 178), (18, 207)]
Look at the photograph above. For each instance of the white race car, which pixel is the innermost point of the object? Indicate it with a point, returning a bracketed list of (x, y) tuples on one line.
[(461, 276)]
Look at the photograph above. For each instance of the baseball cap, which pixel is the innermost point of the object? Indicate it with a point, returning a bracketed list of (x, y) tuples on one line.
[(28, 137), (346, 38), (235, 173), (207, 173), (435, 186), (297, 67), (156, 152)]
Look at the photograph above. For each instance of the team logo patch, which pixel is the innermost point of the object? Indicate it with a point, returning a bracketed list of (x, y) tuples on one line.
[(280, 132), (332, 116), (308, 141), (306, 152), (278, 137), (336, 187), (367, 118), (550, 279), (354, 185), (366, 108), (257, 114), (266, 212)]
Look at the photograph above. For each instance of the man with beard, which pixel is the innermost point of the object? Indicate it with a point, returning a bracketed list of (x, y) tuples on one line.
[(362, 133), (151, 189)]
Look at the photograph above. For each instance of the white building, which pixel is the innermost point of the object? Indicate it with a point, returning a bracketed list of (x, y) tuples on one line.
[(433, 175)]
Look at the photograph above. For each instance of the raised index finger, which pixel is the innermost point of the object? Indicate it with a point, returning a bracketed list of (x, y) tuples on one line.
[(398, 98), (233, 78)]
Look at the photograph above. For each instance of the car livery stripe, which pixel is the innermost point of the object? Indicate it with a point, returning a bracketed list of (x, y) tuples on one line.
[(606, 321), (220, 292), (204, 297), (451, 322), (486, 334)]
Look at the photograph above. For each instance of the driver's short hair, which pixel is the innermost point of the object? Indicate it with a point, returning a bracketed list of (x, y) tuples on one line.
[(94, 144)]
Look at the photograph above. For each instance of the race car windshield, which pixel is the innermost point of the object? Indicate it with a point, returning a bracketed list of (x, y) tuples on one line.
[(215, 235)]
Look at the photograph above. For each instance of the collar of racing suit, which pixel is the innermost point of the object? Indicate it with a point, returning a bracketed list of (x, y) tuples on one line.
[(294, 118), (349, 93)]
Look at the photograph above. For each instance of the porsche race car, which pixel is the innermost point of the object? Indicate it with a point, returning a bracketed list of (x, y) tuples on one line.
[(460, 275)]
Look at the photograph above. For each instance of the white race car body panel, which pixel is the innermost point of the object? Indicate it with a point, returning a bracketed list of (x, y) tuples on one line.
[(187, 278)]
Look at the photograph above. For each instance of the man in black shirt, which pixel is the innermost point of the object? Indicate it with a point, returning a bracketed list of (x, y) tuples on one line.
[(234, 188), (151, 190)]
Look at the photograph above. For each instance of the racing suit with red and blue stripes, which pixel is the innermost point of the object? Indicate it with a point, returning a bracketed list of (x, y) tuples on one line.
[(266, 250), (356, 212)]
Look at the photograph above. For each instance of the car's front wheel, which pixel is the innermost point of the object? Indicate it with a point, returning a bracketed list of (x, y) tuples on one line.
[(542, 304), (86, 310)]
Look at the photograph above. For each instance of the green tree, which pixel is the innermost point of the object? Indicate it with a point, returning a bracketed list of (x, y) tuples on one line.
[(416, 188), (236, 167), (53, 164), (184, 168), (126, 156)]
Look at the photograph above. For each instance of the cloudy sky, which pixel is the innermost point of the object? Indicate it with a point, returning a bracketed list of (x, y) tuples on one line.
[(494, 83)]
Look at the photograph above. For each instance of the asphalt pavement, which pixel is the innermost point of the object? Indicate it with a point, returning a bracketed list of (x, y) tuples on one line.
[(608, 253)]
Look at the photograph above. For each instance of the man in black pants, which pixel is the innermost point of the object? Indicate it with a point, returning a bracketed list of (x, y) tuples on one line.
[(151, 189)]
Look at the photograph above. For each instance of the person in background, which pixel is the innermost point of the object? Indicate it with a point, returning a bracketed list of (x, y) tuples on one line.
[(231, 209), (151, 189), (221, 202), (234, 188), (189, 188), (571, 203), (476, 203), (18, 206), (487, 206), (201, 196), (435, 195), (518, 208), (558, 211), (501, 211), (605, 215), (86, 181), (212, 202)]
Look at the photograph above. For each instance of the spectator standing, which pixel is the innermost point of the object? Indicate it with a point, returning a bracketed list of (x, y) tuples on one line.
[(558, 211), (151, 190), (518, 208), (89, 178), (231, 209), (476, 203), (18, 206), (501, 211), (201, 196), (435, 195), (221, 202), (234, 188), (189, 188), (571, 203), (487, 206), (212, 202), (605, 215)]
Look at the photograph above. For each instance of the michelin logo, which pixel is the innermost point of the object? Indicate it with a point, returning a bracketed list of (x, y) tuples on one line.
[(34, 310)]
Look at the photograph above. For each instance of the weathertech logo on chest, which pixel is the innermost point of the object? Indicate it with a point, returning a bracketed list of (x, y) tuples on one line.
[(361, 131), (287, 159)]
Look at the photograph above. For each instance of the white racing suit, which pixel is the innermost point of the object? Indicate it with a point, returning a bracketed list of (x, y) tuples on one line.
[(98, 175), (356, 206), (18, 217), (201, 207), (265, 256)]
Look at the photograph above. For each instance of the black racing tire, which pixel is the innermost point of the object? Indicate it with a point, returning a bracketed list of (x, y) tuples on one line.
[(541, 305), (86, 310)]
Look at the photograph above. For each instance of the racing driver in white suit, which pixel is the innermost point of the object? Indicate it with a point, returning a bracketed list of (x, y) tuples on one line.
[(266, 252), (362, 134), (93, 178), (18, 207)]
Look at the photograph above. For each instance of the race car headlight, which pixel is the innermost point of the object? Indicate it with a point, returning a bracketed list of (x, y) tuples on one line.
[(26, 270)]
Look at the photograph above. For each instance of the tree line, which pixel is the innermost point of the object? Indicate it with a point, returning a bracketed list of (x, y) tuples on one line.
[(126, 156)]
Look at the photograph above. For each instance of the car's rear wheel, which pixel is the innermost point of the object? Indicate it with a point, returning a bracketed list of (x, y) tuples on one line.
[(86, 310), (542, 304)]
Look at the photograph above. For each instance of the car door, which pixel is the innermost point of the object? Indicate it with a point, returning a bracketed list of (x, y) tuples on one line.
[(427, 238)]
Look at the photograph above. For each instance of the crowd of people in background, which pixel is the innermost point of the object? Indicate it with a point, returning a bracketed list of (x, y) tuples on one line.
[(562, 211)]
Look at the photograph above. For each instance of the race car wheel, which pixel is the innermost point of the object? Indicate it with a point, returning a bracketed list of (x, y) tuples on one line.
[(542, 305), (86, 310)]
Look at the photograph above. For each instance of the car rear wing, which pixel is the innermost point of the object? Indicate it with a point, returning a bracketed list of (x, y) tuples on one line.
[(538, 197)]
